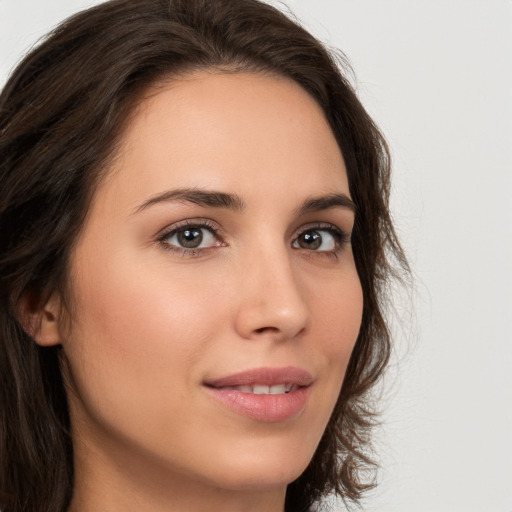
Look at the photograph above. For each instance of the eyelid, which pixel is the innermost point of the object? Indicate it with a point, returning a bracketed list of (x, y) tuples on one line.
[(342, 237), (327, 226), (195, 222), (200, 223)]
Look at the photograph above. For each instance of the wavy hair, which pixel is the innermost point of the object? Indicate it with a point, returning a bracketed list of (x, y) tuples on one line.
[(61, 115)]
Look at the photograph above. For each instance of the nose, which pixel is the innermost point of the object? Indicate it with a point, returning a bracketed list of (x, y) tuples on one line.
[(272, 302)]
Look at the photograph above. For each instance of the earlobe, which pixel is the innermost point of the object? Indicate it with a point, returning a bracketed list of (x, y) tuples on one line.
[(41, 322)]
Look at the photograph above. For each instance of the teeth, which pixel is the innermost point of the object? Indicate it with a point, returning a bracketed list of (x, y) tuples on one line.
[(259, 389), (278, 389)]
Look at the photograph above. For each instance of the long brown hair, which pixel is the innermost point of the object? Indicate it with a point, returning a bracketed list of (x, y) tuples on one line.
[(61, 115)]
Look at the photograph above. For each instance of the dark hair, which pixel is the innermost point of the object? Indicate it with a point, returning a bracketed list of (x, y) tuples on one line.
[(61, 115)]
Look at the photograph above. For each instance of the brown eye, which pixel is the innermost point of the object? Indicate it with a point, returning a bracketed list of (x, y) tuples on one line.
[(190, 238), (311, 240), (317, 240)]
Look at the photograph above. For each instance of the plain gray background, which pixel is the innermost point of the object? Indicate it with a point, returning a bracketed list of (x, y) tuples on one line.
[(437, 77)]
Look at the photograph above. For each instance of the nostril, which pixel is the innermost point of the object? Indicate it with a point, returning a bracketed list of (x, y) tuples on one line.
[(261, 330)]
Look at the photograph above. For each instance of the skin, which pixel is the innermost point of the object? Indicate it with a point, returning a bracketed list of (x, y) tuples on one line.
[(152, 320)]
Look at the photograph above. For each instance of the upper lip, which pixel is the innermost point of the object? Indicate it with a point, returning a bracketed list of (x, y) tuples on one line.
[(266, 376)]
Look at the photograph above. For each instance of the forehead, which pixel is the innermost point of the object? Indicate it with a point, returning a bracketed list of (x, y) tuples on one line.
[(240, 132)]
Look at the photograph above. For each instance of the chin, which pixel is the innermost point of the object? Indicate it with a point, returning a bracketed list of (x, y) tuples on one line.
[(251, 480), (261, 470)]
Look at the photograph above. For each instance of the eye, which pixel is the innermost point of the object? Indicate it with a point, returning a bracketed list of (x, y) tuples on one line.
[(190, 237), (320, 239)]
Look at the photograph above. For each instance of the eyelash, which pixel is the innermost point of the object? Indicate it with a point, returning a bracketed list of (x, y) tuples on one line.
[(190, 224), (341, 238)]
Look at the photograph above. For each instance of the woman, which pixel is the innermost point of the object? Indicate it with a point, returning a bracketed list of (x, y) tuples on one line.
[(194, 243)]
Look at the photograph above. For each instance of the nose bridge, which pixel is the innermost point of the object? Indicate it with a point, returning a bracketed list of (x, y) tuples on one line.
[(272, 299)]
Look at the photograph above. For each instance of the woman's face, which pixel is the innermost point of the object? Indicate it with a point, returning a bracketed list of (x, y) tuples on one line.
[(214, 265)]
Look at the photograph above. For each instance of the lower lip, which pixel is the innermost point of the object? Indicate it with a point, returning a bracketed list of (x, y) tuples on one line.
[(267, 408)]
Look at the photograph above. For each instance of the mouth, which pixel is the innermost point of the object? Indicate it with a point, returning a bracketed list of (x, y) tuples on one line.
[(263, 380), (264, 394), (262, 389)]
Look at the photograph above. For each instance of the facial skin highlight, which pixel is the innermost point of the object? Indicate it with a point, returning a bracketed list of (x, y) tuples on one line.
[(218, 243)]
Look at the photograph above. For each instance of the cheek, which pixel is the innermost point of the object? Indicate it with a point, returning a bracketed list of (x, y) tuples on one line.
[(336, 320), (134, 307), (337, 314), (337, 309), (140, 335)]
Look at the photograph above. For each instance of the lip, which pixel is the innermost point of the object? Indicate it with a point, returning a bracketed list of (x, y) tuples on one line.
[(264, 408), (266, 376)]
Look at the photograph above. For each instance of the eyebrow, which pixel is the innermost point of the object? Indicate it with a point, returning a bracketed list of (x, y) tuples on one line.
[(212, 199), (315, 204), (215, 199)]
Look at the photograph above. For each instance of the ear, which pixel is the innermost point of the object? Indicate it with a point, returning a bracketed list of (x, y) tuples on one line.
[(41, 321)]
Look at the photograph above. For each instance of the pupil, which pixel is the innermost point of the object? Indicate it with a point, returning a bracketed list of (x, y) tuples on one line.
[(190, 238), (311, 240)]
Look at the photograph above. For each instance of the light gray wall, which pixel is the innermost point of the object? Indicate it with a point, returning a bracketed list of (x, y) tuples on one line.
[(437, 77)]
